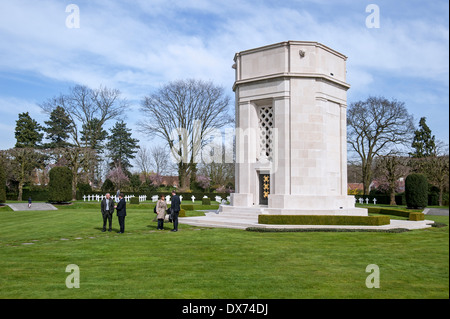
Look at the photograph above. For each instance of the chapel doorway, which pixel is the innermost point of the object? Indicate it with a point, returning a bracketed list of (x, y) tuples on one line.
[(264, 189)]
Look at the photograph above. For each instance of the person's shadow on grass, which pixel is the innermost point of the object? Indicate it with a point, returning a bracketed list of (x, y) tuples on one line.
[(112, 229)]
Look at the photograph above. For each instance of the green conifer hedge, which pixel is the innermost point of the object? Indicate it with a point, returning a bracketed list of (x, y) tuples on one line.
[(60, 185), (416, 191)]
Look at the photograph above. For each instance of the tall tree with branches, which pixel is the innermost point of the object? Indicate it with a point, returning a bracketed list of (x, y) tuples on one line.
[(58, 129), (375, 127), (183, 113), (122, 147), (390, 169), (85, 107), (424, 143), (28, 132)]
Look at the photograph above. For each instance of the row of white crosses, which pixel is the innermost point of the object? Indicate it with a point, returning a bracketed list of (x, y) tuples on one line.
[(218, 198), (142, 198), (361, 200)]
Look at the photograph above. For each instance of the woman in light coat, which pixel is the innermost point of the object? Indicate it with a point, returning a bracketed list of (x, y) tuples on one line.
[(161, 208)]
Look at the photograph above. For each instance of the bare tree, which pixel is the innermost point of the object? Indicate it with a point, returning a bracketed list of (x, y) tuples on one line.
[(390, 169), (183, 113), (438, 173), (160, 160), (219, 172), (143, 161), (78, 159), (23, 163), (85, 107), (435, 167), (155, 159), (375, 127)]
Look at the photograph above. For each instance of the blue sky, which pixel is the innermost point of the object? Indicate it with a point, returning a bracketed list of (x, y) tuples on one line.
[(136, 46)]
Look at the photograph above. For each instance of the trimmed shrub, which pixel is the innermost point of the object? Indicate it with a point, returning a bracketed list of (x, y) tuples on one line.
[(387, 211), (134, 200), (108, 186), (84, 188), (182, 213), (323, 220), (206, 201), (60, 185), (416, 191), (416, 216), (395, 212), (187, 207)]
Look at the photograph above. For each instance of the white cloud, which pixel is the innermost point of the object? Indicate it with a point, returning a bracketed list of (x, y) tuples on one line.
[(136, 47), (112, 41)]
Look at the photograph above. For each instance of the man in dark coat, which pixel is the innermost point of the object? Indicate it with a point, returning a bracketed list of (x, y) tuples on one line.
[(121, 209), (175, 206), (107, 208)]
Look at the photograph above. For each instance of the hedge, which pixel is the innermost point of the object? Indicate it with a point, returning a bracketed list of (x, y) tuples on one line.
[(60, 185), (134, 200), (416, 216), (416, 191), (187, 207), (323, 220), (395, 212)]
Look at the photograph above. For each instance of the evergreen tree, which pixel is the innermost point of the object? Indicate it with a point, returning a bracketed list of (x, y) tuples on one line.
[(60, 185), (58, 128), (93, 135), (416, 191), (122, 146), (423, 143), (27, 132)]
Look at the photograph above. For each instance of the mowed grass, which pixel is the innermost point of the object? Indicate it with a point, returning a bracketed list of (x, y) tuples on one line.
[(36, 247)]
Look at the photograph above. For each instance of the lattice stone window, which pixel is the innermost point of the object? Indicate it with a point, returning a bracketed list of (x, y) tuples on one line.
[(266, 121)]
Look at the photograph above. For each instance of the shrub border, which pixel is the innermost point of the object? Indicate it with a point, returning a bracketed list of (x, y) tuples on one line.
[(323, 220), (414, 216)]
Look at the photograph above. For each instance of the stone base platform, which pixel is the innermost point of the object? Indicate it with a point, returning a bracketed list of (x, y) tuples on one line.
[(249, 218), (34, 207)]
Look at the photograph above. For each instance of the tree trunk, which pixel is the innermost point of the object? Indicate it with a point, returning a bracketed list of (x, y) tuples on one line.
[(392, 198), (183, 175), (367, 178), (19, 198), (193, 173), (74, 185)]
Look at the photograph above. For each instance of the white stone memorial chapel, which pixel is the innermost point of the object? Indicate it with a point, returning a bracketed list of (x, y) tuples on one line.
[(291, 137)]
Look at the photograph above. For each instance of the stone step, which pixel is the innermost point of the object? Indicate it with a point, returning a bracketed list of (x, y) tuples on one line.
[(218, 222), (243, 223), (234, 215), (226, 208)]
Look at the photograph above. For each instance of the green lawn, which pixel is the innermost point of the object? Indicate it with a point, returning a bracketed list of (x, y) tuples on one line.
[(210, 263)]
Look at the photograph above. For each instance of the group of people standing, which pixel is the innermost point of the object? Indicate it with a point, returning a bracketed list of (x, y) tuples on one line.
[(107, 208)]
